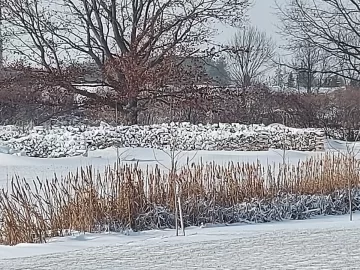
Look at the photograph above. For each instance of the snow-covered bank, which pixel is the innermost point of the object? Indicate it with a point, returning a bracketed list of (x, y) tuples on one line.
[(211, 193), (73, 140), (45, 168), (319, 243), (261, 246)]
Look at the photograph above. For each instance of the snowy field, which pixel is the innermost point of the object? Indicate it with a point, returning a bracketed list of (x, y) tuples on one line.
[(320, 243), (30, 168), (46, 168)]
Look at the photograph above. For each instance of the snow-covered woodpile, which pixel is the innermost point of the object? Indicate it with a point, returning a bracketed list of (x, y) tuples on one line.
[(62, 141)]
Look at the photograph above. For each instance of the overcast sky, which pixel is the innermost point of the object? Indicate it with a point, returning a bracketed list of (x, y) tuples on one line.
[(261, 14)]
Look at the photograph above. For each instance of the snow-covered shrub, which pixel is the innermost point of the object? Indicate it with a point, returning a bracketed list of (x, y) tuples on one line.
[(283, 207), (61, 141)]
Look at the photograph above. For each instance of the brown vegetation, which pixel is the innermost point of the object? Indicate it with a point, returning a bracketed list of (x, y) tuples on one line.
[(88, 201), (337, 110)]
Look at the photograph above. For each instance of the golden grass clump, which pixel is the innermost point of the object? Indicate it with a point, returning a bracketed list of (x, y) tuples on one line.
[(34, 211)]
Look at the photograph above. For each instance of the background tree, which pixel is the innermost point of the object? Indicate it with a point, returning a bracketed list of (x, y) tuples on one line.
[(250, 54), (291, 83), (308, 62), (279, 77), (305, 62), (138, 46), (331, 26), (217, 69)]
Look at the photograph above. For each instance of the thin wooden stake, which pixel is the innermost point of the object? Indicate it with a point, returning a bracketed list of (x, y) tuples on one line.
[(176, 215), (181, 216)]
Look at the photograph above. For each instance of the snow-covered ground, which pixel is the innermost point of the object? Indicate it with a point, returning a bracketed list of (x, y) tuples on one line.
[(30, 168), (320, 243), (320, 90), (45, 168)]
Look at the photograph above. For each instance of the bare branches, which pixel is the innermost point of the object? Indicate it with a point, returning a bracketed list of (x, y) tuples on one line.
[(38, 102), (250, 53), (311, 65), (132, 43), (329, 25)]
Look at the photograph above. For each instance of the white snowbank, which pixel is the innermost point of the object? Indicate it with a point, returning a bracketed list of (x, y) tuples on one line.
[(63, 141), (45, 168)]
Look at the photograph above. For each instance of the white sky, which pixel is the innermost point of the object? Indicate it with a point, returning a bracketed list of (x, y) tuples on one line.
[(261, 15)]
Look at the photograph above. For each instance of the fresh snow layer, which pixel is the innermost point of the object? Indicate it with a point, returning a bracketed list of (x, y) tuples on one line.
[(319, 243), (46, 168), (65, 141)]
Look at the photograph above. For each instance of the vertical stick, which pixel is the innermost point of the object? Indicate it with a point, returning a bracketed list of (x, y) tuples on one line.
[(350, 205), (176, 213), (350, 186), (181, 216), (117, 145), (284, 147)]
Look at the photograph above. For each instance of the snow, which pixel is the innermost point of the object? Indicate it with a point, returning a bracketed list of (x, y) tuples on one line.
[(63, 141), (319, 90), (319, 243), (45, 168)]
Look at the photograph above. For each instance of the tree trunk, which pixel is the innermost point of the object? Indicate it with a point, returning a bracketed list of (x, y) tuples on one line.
[(132, 112), (309, 82), (132, 117)]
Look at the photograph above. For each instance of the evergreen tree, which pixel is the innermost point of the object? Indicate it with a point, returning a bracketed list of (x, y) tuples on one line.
[(291, 80), (217, 70), (280, 77)]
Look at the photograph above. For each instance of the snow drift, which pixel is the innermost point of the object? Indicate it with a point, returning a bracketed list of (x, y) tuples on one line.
[(64, 141)]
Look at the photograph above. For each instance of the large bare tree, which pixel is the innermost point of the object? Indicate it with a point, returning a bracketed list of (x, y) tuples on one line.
[(249, 56), (137, 45), (329, 25)]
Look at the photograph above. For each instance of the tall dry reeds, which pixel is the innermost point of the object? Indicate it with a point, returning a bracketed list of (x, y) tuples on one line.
[(127, 198)]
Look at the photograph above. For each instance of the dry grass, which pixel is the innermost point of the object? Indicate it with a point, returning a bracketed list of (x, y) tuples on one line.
[(85, 201)]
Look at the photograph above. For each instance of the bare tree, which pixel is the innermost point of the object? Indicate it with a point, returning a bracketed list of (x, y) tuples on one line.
[(329, 25), (139, 45), (250, 53), (310, 63)]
